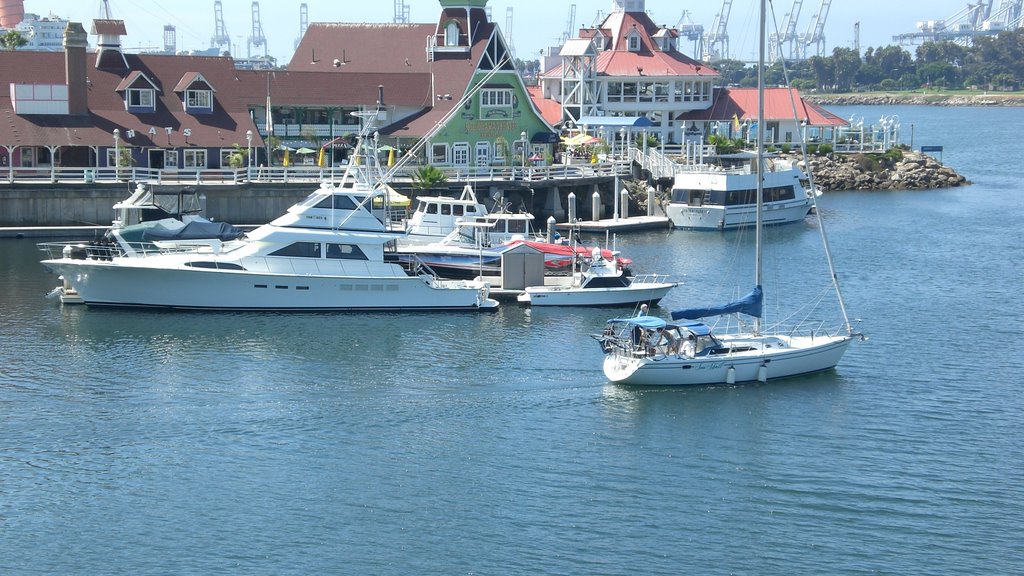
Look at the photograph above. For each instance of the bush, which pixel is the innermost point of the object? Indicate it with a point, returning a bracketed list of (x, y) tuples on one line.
[(786, 148), (812, 149), (825, 149)]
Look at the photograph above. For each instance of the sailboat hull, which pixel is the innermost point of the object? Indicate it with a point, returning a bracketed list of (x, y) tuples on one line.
[(765, 358)]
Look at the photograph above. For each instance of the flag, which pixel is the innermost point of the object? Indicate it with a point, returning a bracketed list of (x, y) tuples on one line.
[(285, 157), (735, 123), (320, 158), (391, 157)]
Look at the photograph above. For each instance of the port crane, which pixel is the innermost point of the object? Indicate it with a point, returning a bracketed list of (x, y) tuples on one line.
[(401, 12), (815, 34), (692, 32), (787, 38), (220, 37), (256, 39), (716, 44), (570, 25), (303, 23), (977, 19)]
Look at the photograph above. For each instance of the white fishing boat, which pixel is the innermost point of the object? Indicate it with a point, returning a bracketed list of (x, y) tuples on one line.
[(435, 217), (602, 282), (724, 196), (638, 351), (326, 253)]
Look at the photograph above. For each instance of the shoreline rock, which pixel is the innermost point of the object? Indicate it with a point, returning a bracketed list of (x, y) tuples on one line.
[(916, 99), (915, 171)]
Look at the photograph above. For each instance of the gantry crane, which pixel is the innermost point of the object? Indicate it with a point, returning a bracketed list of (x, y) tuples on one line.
[(693, 32), (401, 12), (783, 43), (303, 23), (220, 37), (257, 39), (816, 32), (716, 44)]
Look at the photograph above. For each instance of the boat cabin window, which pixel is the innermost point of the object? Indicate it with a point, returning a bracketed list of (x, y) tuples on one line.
[(446, 209), (517, 227), (432, 208), (457, 210), (299, 250), (470, 209), (345, 252), (337, 202)]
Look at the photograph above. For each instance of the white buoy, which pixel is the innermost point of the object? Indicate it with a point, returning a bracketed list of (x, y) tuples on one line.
[(762, 373), (730, 375)]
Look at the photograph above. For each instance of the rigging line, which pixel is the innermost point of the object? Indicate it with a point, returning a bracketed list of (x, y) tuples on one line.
[(814, 196)]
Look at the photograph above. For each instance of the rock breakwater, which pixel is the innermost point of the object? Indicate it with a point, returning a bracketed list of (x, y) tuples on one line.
[(912, 171)]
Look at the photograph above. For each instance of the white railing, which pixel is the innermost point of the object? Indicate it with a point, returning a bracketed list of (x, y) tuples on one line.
[(304, 173)]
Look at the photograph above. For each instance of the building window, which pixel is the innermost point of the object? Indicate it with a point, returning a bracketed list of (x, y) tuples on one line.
[(170, 159), (141, 99), (202, 99), (195, 158), (496, 98), (451, 34), (27, 155), (460, 153), (439, 153), (634, 43)]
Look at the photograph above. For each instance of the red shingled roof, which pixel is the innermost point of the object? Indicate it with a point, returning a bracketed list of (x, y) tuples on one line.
[(649, 60), (395, 53), (225, 127), (778, 105), (550, 109)]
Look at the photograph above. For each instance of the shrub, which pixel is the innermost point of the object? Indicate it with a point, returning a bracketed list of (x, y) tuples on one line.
[(785, 148), (825, 149), (812, 149)]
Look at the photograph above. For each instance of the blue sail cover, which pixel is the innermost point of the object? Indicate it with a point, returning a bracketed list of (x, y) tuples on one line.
[(749, 305)]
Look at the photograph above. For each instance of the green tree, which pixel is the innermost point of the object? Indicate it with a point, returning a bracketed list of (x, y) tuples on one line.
[(426, 177), (846, 63), (12, 40)]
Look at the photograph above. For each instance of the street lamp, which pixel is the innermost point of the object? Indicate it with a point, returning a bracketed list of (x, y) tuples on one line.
[(248, 149), (117, 154), (522, 138)]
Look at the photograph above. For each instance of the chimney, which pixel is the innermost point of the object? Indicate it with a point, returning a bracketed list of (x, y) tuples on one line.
[(75, 42)]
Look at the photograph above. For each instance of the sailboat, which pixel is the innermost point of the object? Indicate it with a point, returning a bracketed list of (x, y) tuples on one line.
[(651, 351)]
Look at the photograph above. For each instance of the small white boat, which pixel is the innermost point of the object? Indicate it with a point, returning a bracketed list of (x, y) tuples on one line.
[(603, 283), (724, 197), (435, 217)]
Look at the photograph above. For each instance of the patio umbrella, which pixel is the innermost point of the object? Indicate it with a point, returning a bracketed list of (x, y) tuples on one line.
[(535, 158), (305, 150)]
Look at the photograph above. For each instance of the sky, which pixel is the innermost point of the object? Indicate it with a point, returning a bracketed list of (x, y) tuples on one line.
[(536, 24)]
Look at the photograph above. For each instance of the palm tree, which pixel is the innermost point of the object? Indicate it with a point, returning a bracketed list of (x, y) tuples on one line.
[(12, 40), (426, 177)]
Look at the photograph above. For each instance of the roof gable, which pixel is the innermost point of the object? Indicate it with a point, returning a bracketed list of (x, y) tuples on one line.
[(193, 81), (136, 80)]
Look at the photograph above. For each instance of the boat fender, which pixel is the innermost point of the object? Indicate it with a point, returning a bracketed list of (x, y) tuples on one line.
[(762, 373), (58, 291), (730, 375)]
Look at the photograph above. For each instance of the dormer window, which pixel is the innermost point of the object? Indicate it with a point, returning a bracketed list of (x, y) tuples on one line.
[(196, 93), (633, 42), (451, 34), (198, 100), (599, 41), (139, 93), (143, 99)]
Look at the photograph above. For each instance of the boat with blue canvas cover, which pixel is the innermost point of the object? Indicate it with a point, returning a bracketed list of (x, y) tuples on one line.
[(693, 353)]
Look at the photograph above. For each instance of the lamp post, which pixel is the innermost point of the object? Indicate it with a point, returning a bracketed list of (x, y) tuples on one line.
[(522, 138), (248, 154), (117, 154)]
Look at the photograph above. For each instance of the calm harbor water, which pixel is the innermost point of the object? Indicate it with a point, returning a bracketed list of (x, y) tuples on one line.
[(135, 442)]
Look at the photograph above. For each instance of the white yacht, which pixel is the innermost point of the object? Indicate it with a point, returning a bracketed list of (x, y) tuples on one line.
[(326, 253), (435, 217), (724, 196)]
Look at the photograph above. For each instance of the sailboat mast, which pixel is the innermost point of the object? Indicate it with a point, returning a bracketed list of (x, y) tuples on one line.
[(760, 156)]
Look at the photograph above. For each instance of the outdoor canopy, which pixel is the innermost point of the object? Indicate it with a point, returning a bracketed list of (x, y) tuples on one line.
[(627, 121)]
